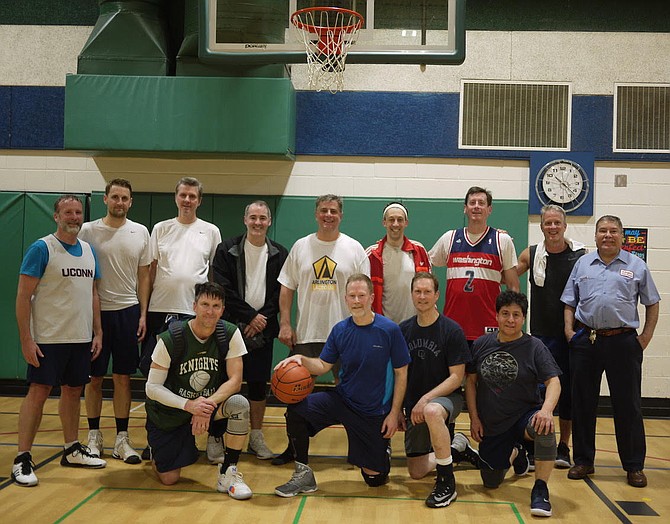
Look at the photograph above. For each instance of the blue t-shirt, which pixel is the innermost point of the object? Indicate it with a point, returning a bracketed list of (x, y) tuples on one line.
[(368, 355), (37, 257)]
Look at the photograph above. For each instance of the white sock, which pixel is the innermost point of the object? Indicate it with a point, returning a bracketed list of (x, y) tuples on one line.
[(444, 462), (68, 445)]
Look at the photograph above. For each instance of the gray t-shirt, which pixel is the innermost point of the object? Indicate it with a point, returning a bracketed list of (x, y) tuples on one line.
[(508, 377)]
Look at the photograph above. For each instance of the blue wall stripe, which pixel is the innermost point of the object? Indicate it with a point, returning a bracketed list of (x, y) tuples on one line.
[(388, 124), (5, 111), (37, 117)]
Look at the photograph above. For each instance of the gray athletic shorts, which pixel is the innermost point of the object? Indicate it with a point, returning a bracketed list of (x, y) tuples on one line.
[(417, 438)]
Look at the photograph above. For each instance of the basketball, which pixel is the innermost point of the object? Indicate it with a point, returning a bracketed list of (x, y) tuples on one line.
[(198, 380), (292, 383)]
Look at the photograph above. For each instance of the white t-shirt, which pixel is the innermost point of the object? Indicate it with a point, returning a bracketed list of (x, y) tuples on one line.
[(184, 253), (398, 273), (236, 348), (120, 251), (256, 262), (318, 271)]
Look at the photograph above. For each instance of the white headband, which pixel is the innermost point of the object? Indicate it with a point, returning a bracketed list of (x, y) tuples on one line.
[(396, 205)]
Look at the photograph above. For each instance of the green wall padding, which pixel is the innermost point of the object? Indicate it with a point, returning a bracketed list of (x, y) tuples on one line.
[(292, 218), (236, 116)]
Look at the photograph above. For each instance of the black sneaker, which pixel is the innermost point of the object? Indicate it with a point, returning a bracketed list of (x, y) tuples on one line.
[(539, 500), (284, 458), (462, 451), (563, 456), (443, 494), (79, 456), (146, 453), (521, 465)]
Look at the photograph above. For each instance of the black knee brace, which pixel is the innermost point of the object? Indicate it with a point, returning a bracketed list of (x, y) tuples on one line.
[(374, 481)]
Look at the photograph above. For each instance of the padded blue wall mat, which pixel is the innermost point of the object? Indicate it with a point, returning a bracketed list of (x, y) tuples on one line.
[(37, 117)]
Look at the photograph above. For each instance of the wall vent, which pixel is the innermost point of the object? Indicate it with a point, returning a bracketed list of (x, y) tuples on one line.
[(515, 115), (641, 118)]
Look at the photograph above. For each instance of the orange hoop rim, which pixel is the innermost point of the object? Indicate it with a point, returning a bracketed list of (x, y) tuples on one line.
[(320, 30)]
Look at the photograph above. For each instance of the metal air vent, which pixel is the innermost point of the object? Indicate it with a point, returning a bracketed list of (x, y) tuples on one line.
[(642, 118), (515, 115)]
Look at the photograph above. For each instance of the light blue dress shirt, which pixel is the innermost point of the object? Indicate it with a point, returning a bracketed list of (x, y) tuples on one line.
[(606, 296)]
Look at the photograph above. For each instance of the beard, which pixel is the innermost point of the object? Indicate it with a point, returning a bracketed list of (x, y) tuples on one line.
[(71, 229)]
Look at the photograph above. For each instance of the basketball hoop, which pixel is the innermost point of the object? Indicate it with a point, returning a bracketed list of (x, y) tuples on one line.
[(327, 33)]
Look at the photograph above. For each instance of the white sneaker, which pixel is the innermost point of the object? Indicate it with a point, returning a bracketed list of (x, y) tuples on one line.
[(258, 447), (78, 456), (231, 482), (216, 452), (95, 442), (23, 470), (124, 450)]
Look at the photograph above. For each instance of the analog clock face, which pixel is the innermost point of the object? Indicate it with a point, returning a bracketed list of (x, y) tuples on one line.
[(562, 182)]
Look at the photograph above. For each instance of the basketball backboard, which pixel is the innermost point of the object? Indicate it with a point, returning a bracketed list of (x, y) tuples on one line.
[(256, 32)]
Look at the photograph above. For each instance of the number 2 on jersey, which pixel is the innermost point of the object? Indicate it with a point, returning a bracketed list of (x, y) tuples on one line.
[(468, 287)]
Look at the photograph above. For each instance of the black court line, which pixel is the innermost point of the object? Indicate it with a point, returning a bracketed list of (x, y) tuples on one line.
[(611, 505)]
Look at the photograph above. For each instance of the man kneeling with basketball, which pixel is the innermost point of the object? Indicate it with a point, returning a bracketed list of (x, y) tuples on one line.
[(367, 401), (189, 389)]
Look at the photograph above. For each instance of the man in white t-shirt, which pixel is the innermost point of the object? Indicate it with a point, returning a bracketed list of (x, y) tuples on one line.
[(182, 250), (122, 247), (317, 269), (478, 259), (394, 260)]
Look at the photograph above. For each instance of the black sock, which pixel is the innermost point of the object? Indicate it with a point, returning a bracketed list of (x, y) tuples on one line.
[(94, 423), (231, 458), (121, 424), (298, 436), (444, 472)]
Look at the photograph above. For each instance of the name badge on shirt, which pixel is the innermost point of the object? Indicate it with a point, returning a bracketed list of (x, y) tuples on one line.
[(490, 329), (626, 273)]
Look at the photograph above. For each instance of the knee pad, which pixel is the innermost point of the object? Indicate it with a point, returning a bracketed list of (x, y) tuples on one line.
[(236, 410), (257, 391), (492, 478), (545, 445), (374, 481)]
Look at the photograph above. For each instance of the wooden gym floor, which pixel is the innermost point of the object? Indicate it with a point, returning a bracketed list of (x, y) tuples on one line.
[(131, 493)]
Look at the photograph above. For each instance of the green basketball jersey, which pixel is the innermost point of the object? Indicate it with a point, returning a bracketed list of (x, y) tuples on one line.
[(199, 373)]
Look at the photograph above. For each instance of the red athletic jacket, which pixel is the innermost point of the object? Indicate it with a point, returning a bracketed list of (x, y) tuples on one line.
[(421, 263)]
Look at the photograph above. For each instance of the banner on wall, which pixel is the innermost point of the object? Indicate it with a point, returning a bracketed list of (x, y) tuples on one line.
[(635, 241)]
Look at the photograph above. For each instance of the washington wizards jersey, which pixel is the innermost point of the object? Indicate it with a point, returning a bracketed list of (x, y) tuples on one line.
[(474, 273)]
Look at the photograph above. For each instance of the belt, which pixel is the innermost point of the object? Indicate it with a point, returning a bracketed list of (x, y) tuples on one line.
[(607, 332)]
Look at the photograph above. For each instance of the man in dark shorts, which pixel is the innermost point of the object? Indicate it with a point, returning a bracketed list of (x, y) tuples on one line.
[(191, 390), (504, 401), (122, 248), (247, 267), (58, 316), (439, 352), (366, 401), (549, 264)]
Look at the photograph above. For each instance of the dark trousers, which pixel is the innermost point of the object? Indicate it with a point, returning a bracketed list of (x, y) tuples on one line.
[(620, 357)]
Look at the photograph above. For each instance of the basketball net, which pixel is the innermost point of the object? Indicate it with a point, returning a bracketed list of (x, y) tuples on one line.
[(327, 34)]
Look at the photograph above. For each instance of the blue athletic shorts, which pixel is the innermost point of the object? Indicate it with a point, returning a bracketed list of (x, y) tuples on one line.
[(367, 448), (496, 450), (172, 449), (62, 364), (119, 342)]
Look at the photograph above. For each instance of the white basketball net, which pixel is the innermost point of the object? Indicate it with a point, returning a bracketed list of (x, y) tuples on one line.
[(327, 34)]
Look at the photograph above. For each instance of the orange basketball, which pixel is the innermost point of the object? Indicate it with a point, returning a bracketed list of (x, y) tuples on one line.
[(292, 383)]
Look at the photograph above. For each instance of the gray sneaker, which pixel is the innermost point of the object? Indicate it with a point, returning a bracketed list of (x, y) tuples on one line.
[(302, 481), (216, 452)]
